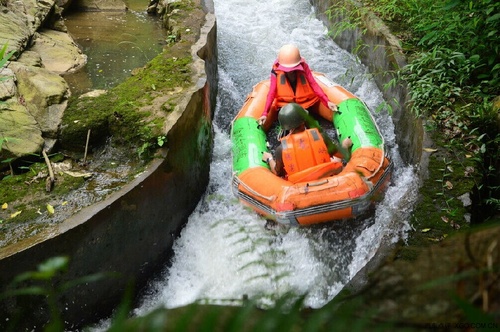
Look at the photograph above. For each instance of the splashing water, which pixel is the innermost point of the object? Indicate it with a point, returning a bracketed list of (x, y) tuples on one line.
[(225, 251)]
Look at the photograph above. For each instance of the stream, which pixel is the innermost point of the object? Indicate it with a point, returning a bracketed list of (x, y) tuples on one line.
[(225, 252)]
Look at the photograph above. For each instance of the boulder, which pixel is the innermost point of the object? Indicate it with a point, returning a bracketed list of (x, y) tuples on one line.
[(33, 92), (19, 21), (21, 134), (58, 51), (102, 5), (14, 31), (44, 93), (8, 88)]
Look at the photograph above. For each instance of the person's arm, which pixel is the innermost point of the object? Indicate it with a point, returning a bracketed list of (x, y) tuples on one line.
[(279, 167), (276, 165), (345, 148), (317, 89), (268, 159), (271, 95)]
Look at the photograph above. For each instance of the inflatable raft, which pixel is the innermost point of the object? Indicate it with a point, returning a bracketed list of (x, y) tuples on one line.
[(316, 198)]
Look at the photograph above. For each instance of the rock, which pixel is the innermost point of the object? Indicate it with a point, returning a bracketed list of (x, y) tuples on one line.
[(45, 94), (30, 58), (14, 31), (19, 21), (58, 51), (20, 132), (103, 5), (465, 199), (8, 87), (35, 95), (93, 93)]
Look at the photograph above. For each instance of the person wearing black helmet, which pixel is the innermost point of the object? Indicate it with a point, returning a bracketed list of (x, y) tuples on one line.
[(302, 147)]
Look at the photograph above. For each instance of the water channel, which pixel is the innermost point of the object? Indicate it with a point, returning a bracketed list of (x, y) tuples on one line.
[(225, 252)]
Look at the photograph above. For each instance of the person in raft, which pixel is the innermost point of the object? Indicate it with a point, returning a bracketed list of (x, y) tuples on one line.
[(291, 80), (305, 148)]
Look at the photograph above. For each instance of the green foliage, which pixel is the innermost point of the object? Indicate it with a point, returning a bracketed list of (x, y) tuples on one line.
[(161, 140), (453, 75), (4, 58), (438, 78), (286, 315), (172, 38), (468, 27), (347, 15), (485, 140)]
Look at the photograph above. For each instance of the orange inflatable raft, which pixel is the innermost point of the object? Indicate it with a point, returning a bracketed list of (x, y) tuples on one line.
[(320, 195)]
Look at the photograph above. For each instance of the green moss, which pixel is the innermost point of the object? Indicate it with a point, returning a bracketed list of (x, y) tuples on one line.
[(65, 184), (26, 192), (122, 112)]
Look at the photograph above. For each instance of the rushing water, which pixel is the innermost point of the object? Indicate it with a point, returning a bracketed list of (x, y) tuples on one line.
[(225, 251)]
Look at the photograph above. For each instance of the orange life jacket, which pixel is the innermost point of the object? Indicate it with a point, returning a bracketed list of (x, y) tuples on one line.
[(303, 150), (304, 94)]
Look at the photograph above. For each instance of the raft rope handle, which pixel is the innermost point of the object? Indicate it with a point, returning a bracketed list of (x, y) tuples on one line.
[(316, 183), (269, 198), (383, 142)]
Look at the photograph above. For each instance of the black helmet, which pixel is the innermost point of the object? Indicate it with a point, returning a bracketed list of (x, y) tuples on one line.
[(291, 116)]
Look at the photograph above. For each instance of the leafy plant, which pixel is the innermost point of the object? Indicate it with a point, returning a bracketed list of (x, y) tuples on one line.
[(172, 38), (347, 16), (437, 79), (452, 75), (161, 140), (4, 57), (470, 27)]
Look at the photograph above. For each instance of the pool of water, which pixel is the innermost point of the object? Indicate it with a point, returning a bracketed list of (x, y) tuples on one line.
[(115, 44)]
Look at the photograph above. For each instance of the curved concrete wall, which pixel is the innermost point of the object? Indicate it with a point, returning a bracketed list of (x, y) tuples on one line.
[(382, 54), (132, 232)]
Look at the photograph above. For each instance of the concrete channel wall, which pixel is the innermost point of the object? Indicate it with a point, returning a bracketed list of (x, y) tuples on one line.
[(381, 52), (131, 233)]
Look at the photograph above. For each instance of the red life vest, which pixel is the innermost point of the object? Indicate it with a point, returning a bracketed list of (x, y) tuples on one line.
[(304, 94), (303, 150)]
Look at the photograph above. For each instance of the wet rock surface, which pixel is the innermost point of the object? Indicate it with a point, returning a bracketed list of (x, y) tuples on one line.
[(33, 85)]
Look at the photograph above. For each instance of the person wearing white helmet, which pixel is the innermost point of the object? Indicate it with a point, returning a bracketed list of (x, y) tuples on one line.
[(292, 81)]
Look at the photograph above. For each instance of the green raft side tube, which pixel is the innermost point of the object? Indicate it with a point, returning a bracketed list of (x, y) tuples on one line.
[(248, 143), (355, 120)]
